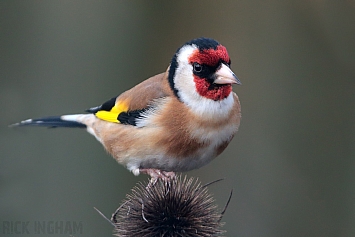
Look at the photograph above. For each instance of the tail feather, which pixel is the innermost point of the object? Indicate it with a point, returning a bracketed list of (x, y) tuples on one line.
[(51, 122)]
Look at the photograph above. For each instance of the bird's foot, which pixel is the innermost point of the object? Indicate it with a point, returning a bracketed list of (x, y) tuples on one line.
[(156, 174)]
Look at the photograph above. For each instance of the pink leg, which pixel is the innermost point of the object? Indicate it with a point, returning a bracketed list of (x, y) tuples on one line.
[(156, 174)]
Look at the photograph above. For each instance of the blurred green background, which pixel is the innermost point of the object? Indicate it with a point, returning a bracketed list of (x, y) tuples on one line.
[(291, 165)]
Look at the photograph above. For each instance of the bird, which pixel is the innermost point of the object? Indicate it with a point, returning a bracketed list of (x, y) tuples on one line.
[(176, 121)]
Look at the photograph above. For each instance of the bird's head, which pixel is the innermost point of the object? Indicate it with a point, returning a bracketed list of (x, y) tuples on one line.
[(201, 68)]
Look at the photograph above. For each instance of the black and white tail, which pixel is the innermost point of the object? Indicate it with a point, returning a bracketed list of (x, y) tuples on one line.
[(69, 121)]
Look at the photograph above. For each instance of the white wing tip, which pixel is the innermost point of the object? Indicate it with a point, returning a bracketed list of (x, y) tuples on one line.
[(24, 122), (70, 117)]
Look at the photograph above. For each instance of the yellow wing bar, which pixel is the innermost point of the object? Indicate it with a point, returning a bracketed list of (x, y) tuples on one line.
[(111, 116)]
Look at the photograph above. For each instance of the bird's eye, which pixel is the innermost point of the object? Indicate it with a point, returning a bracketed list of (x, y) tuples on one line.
[(197, 67)]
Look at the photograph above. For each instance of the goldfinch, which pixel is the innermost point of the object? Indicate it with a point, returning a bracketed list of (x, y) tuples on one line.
[(175, 121)]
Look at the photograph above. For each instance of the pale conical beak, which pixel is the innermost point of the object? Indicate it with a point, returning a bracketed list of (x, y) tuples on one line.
[(224, 75)]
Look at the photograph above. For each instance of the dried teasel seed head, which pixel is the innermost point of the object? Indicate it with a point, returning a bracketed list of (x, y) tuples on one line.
[(178, 207)]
